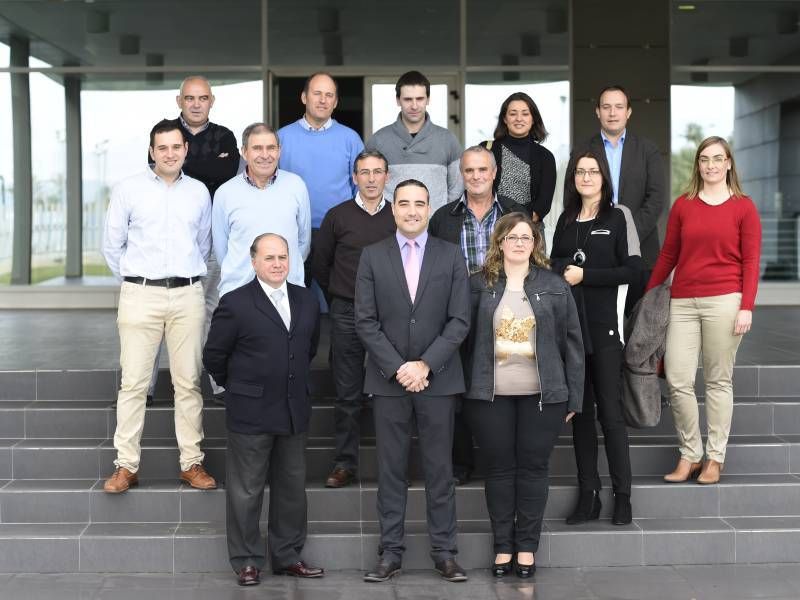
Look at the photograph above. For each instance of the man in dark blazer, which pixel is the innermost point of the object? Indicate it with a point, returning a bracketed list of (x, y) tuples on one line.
[(263, 336), (412, 313), (635, 164)]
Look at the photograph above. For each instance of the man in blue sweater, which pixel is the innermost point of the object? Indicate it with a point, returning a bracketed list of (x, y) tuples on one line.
[(319, 149)]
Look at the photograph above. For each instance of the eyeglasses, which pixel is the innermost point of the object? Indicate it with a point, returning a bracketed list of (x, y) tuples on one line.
[(581, 173), (717, 160), (516, 239), (367, 172)]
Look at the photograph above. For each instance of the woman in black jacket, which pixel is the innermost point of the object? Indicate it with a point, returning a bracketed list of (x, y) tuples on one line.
[(596, 248), (524, 379), (526, 170)]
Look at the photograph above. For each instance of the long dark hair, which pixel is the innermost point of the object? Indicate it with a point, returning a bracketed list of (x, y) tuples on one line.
[(572, 198), (538, 132)]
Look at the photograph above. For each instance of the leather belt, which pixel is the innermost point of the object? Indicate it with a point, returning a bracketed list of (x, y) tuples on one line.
[(168, 282)]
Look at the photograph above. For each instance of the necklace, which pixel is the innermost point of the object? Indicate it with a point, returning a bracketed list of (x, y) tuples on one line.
[(579, 258)]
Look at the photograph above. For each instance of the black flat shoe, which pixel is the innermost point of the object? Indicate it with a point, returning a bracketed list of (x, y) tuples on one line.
[(502, 569), (623, 513), (588, 508), (526, 571)]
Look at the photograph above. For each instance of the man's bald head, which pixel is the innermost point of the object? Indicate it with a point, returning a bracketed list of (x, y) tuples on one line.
[(195, 101)]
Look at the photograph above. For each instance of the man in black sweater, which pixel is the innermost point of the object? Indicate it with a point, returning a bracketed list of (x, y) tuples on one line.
[(213, 158), (346, 229), (468, 222)]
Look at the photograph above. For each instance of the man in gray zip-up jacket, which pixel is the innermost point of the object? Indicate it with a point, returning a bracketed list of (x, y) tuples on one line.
[(418, 149)]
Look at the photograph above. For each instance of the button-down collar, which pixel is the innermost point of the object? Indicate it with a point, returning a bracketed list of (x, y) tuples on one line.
[(309, 127)]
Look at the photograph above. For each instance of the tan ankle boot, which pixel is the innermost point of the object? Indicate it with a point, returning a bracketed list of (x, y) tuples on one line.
[(683, 472), (710, 473)]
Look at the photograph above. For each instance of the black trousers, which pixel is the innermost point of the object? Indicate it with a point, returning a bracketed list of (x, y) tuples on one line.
[(516, 439), (251, 461), (393, 428), (348, 374), (602, 386), (463, 447)]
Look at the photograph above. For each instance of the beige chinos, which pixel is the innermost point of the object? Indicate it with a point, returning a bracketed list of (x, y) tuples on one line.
[(702, 326), (146, 313)]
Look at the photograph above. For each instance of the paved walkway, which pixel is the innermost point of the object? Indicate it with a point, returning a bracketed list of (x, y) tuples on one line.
[(725, 582), (87, 339)]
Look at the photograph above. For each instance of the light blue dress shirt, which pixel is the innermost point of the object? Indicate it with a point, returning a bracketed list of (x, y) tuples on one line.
[(614, 157)]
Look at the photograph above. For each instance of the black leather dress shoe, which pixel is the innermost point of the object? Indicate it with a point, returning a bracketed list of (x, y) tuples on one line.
[(526, 571), (383, 571), (502, 569), (300, 569), (249, 576), (623, 513), (588, 508), (450, 570)]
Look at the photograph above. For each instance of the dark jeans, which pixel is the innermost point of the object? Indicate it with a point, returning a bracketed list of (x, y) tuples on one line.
[(393, 429), (603, 386), (348, 374), (516, 439), (251, 461)]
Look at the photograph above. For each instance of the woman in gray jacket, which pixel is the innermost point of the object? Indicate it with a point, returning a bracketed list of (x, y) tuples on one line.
[(524, 380)]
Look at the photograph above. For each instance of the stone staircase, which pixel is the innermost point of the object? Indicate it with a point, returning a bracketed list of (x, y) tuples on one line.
[(55, 450)]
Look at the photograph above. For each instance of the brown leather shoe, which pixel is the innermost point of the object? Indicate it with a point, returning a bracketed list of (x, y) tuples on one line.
[(339, 478), (300, 569), (120, 481), (198, 477), (684, 471), (249, 575), (710, 473)]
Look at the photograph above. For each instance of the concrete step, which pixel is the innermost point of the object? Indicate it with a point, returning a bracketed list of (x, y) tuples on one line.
[(167, 500), (762, 381), (201, 547), (93, 419), (92, 458)]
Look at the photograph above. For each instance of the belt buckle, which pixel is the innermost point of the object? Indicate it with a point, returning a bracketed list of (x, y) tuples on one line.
[(168, 281)]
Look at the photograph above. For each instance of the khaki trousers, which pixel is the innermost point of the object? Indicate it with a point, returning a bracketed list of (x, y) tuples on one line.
[(702, 326), (146, 313)]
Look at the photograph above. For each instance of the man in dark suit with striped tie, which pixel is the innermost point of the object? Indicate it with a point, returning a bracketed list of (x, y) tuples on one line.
[(263, 336)]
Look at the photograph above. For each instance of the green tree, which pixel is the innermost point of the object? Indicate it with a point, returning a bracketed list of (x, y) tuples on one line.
[(683, 159)]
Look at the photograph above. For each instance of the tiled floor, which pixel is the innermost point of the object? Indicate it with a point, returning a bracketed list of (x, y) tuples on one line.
[(87, 339), (731, 582)]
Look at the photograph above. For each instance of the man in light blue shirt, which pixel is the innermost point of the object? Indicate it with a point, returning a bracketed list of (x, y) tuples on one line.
[(636, 165), (263, 199)]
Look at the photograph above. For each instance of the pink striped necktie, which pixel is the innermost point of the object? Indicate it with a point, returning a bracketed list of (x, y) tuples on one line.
[(412, 268)]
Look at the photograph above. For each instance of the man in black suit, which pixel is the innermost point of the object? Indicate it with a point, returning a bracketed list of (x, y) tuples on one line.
[(262, 339), (412, 313), (636, 167)]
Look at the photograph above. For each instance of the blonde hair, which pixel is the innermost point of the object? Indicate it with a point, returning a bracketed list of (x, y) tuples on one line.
[(731, 178), (493, 265)]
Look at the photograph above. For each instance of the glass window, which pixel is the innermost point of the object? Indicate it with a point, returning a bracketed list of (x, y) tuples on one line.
[(111, 153), (138, 32), (760, 114), (411, 33), (6, 172), (517, 32), (49, 162), (717, 33), (485, 93)]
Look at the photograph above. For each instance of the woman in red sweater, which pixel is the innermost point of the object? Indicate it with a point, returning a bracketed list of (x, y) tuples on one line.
[(713, 242)]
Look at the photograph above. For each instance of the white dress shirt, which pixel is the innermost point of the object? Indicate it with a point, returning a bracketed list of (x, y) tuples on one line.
[(155, 230), (268, 290)]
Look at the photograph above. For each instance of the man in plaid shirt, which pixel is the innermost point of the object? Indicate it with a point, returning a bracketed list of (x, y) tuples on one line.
[(469, 222)]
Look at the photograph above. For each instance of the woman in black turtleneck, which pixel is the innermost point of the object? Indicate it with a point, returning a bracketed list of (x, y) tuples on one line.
[(526, 170)]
